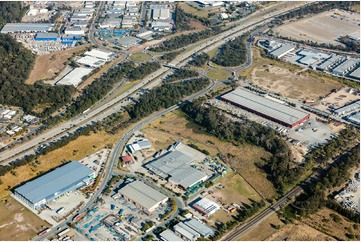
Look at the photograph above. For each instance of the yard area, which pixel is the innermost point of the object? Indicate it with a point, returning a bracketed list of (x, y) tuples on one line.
[(17, 222), (46, 66), (325, 27), (286, 79), (175, 127)]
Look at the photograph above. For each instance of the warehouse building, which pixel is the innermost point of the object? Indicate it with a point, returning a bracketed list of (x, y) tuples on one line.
[(348, 108), (26, 28), (165, 25), (354, 118), (310, 57), (48, 187), (46, 37), (176, 167), (128, 41), (206, 207), (199, 227), (330, 62), (355, 74), (283, 50), (169, 235), (74, 30), (143, 196), (160, 13), (139, 145), (346, 67), (186, 232), (91, 61), (285, 115), (100, 54), (74, 77)]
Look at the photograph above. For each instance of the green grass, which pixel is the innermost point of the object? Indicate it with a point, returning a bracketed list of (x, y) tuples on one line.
[(139, 57), (219, 74)]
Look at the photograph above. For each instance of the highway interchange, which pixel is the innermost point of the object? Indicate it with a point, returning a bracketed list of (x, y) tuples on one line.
[(100, 111)]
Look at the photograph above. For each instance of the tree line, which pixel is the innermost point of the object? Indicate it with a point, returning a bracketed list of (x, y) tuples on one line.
[(143, 70), (180, 74), (232, 53), (200, 60), (184, 40), (181, 20)]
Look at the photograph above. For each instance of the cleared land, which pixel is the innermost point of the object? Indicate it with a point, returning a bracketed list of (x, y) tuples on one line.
[(195, 11), (175, 127), (46, 66), (280, 77), (17, 222), (323, 222), (299, 231), (262, 230), (325, 27), (219, 75), (139, 57)]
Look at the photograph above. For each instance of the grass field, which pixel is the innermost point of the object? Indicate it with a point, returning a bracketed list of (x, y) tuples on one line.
[(282, 77), (46, 66), (192, 10), (325, 224), (219, 75), (213, 52), (139, 57), (17, 222), (174, 127), (263, 230)]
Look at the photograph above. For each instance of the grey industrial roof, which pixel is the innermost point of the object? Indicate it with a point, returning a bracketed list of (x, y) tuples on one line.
[(348, 108), (26, 27), (283, 113), (330, 61), (47, 35), (143, 194), (186, 176), (169, 162), (144, 144), (169, 235), (128, 40), (161, 13), (199, 227), (355, 73), (283, 49), (355, 118), (345, 65), (54, 181), (186, 231)]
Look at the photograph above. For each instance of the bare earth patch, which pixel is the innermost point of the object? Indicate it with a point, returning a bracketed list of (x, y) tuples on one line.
[(17, 222), (46, 66), (325, 27)]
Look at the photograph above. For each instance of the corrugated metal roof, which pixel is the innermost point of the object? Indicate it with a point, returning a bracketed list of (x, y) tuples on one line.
[(169, 235), (74, 77), (355, 73), (143, 194), (344, 66), (186, 231), (170, 162), (54, 181), (199, 227), (26, 27), (330, 61), (283, 113), (207, 205), (186, 176), (47, 35), (281, 50)]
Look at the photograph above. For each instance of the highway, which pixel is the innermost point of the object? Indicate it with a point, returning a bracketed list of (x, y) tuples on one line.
[(113, 106)]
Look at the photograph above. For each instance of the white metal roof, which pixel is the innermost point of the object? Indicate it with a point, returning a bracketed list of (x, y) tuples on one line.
[(344, 66), (187, 176), (199, 227), (186, 231), (355, 73), (169, 235), (285, 48), (26, 27), (207, 205), (143, 194), (255, 102), (99, 54), (348, 108), (74, 77), (91, 61), (330, 61)]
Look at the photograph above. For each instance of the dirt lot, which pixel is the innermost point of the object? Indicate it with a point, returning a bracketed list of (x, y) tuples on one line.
[(325, 27), (324, 223), (46, 66), (262, 230), (17, 222), (299, 231), (174, 127), (338, 99), (280, 77)]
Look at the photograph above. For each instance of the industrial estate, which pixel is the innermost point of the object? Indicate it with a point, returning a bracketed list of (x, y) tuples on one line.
[(179, 121)]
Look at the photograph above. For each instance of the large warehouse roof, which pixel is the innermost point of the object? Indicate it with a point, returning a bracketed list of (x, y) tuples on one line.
[(207, 206), (143, 194), (355, 73), (344, 66), (47, 35), (91, 61), (187, 176), (74, 77), (284, 49), (199, 227), (169, 162), (169, 235), (285, 114), (54, 181), (99, 54), (26, 27)]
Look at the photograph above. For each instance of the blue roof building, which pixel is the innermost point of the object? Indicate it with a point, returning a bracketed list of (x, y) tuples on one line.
[(43, 189), (46, 37)]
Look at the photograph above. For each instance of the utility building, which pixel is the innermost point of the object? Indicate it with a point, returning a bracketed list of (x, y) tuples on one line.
[(47, 187), (46, 37), (280, 113)]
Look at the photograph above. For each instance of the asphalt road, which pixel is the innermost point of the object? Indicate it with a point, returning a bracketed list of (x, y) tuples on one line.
[(111, 107)]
